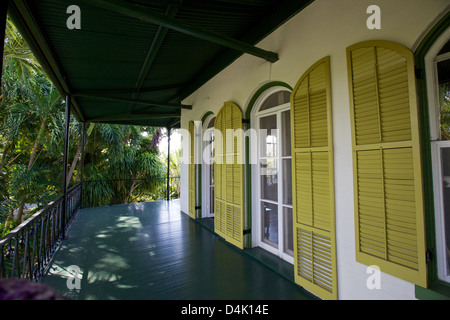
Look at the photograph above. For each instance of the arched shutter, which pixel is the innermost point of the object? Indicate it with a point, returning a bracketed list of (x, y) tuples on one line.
[(386, 160), (313, 182), (229, 175), (192, 172)]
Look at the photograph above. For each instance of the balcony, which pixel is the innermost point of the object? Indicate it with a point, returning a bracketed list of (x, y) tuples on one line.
[(139, 251)]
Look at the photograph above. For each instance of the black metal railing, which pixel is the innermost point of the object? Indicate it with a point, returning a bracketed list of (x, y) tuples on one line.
[(26, 251), (119, 191)]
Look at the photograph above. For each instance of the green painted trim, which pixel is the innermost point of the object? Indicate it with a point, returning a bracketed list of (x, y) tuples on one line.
[(435, 285), (205, 116), (248, 167), (131, 100), (248, 188), (199, 190), (260, 91), (200, 168), (439, 292)]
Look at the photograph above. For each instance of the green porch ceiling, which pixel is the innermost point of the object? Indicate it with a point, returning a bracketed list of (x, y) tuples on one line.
[(133, 62)]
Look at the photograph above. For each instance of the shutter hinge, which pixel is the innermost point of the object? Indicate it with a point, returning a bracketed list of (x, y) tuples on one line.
[(419, 73), (198, 207), (245, 120), (247, 231), (428, 256)]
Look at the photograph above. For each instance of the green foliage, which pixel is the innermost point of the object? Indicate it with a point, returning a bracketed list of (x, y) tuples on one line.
[(121, 162), (444, 102)]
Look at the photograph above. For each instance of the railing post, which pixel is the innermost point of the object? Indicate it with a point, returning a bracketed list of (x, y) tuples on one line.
[(168, 163), (65, 161)]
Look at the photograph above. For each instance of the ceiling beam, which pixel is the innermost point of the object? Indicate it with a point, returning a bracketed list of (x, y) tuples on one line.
[(129, 100), (150, 16), (131, 117), (154, 48), (171, 11), (132, 90), (285, 11)]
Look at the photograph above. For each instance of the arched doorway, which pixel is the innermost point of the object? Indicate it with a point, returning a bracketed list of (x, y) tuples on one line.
[(271, 176)]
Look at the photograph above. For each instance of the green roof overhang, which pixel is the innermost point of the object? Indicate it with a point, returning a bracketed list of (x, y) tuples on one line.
[(133, 62)]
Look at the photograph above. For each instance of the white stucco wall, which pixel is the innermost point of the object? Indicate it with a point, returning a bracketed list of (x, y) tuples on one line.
[(324, 28)]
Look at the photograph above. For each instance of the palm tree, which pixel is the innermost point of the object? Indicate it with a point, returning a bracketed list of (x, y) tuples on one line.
[(17, 54), (42, 105), (121, 164)]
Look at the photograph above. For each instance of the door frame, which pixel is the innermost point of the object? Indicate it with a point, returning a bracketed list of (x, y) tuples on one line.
[(257, 225), (206, 176)]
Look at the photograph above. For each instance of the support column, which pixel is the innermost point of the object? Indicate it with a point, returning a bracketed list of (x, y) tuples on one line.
[(168, 163), (83, 141), (65, 161), (3, 17)]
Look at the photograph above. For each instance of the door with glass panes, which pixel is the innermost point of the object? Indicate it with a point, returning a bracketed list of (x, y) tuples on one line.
[(208, 169), (274, 183), (438, 81)]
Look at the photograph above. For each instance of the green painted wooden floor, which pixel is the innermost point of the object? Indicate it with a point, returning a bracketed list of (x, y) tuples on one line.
[(152, 251)]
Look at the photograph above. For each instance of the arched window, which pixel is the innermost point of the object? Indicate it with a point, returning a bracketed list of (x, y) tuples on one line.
[(272, 203), (438, 83), (208, 168)]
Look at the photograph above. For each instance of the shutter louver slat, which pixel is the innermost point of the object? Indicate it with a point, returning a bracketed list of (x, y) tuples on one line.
[(313, 195), (387, 179)]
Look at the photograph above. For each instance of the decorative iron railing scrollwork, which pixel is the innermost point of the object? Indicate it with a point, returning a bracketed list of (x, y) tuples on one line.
[(26, 251)]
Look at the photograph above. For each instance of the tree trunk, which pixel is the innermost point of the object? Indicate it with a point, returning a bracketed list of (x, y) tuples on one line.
[(74, 163), (18, 216), (36, 144), (133, 186)]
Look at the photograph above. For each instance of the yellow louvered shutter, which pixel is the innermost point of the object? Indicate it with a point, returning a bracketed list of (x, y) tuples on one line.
[(229, 175), (386, 160), (313, 182), (192, 172)]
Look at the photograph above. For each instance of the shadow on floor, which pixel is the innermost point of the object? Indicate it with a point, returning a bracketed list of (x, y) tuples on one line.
[(152, 251)]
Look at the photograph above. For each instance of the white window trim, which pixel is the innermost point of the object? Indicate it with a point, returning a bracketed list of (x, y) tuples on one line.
[(205, 172), (256, 199), (436, 145)]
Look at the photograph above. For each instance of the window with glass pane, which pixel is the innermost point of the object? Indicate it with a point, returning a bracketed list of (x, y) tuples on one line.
[(288, 231), (442, 154), (287, 181), (275, 181), (268, 136), (286, 133), (445, 162), (444, 97), (270, 223), (269, 179), (275, 100)]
